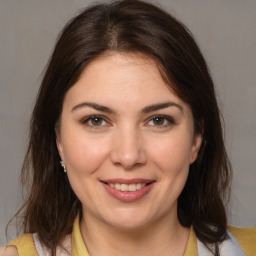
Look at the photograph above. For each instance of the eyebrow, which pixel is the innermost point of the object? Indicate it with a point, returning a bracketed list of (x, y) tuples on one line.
[(95, 106), (145, 110), (159, 106)]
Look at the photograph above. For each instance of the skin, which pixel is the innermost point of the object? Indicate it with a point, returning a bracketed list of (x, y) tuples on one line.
[(127, 142), (9, 251)]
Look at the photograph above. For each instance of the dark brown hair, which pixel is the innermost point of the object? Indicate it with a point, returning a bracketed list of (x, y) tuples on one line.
[(136, 27)]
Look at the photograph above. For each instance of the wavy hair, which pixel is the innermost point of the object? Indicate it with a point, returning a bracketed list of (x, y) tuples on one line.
[(129, 26)]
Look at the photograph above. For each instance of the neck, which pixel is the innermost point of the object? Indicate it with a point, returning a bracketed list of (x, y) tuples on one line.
[(159, 238)]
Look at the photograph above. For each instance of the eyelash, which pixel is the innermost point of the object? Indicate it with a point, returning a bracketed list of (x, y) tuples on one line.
[(167, 119)]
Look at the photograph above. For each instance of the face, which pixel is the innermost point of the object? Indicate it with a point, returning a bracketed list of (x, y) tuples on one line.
[(127, 142)]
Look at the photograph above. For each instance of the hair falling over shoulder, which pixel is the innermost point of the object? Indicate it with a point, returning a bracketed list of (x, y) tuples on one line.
[(137, 27)]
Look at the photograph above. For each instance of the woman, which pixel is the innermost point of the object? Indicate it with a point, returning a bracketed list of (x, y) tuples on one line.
[(126, 153)]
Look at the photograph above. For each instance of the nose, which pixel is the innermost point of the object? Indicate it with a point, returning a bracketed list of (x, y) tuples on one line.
[(128, 150)]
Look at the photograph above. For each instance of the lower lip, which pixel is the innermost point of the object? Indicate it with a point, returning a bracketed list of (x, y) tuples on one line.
[(128, 196)]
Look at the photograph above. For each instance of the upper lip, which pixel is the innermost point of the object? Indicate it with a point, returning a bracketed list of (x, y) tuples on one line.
[(127, 181)]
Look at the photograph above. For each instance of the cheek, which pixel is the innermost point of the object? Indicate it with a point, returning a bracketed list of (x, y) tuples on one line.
[(84, 154), (172, 154), (83, 157)]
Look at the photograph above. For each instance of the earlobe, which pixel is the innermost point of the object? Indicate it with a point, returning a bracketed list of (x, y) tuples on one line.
[(195, 147)]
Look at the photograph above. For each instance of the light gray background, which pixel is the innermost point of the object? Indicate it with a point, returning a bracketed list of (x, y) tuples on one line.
[(226, 33)]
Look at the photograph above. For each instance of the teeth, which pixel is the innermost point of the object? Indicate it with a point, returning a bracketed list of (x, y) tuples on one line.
[(132, 187), (126, 187), (138, 186)]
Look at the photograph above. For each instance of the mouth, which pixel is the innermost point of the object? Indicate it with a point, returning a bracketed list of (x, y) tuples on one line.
[(128, 190)]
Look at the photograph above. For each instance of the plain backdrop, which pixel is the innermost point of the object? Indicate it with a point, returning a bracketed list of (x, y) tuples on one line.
[(226, 33)]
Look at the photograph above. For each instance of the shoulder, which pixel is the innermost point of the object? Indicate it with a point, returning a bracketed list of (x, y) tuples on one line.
[(24, 245), (246, 237), (9, 251), (24, 239)]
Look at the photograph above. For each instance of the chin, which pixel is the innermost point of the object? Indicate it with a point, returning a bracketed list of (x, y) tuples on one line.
[(127, 225), (127, 220)]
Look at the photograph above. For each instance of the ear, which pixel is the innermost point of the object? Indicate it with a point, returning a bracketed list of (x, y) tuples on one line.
[(197, 141), (59, 142)]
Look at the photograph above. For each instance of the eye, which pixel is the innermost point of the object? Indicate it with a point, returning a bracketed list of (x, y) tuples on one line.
[(95, 121), (160, 121)]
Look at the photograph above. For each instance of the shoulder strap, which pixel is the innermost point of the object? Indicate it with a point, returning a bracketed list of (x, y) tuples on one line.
[(24, 245)]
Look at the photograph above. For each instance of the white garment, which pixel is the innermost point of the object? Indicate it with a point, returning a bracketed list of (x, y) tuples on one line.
[(229, 247), (43, 251)]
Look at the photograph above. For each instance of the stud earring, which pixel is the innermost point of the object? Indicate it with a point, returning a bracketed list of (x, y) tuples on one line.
[(63, 166)]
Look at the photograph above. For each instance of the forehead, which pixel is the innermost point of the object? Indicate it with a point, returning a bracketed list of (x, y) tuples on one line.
[(115, 78)]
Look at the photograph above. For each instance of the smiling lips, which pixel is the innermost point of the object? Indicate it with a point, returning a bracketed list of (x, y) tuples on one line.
[(128, 190)]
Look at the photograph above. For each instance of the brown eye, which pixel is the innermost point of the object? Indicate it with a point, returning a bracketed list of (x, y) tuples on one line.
[(96, 121), (161, 121), (158, 120)]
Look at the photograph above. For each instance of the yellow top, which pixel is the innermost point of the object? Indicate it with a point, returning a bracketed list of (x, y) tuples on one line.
[(24, 245), (246, 237), (78, 246), (191, 249)]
